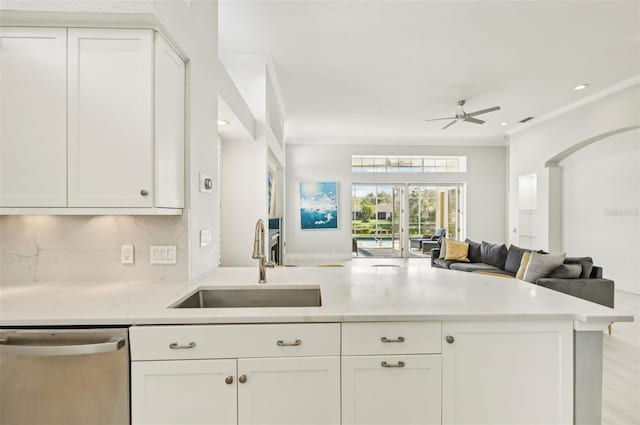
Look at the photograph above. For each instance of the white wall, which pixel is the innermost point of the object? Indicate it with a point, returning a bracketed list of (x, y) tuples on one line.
[(532, 147), (485, 190), (601, 204), (243, 198)]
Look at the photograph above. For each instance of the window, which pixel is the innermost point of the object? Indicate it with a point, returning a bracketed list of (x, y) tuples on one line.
[(408, 164)]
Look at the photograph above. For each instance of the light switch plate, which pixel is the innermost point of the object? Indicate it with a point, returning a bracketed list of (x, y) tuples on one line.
[(206, 184), (127, 254), (163, 254), (205, 237)]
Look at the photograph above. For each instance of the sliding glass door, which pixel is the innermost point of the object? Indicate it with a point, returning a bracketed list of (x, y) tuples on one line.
[(393, 220)]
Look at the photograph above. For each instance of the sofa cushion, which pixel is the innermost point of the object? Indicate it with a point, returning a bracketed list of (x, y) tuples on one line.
[(445, 264), (475, 251), (499, 273), (566, 271), (514, 257), (585, 262), (472, 267), (457, 251), (541, 265), (494, 254)]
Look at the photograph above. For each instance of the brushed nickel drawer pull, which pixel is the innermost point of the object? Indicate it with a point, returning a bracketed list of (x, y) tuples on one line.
[(176, 346), (398, 339), (385, 364), (281, 343)]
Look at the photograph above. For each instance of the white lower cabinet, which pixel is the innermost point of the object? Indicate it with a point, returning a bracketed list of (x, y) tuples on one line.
[(507, 372), (289, 391), (184, 392), (391, 390)]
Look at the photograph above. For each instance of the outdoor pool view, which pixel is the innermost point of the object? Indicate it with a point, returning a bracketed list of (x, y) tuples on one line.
[(381, 213)]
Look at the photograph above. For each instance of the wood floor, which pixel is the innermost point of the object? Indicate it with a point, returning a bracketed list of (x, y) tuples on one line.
[(621, 377)]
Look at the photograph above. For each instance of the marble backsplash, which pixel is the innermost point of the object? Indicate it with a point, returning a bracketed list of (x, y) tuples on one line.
[(87, 248)]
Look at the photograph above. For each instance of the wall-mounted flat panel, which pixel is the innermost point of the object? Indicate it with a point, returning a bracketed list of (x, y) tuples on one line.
[(33, 134), (110, 118)]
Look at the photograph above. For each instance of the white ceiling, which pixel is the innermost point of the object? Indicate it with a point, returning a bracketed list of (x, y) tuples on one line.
[(372, 71)]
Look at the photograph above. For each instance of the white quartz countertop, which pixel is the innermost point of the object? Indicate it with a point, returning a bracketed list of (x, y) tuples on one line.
[(356, 293)]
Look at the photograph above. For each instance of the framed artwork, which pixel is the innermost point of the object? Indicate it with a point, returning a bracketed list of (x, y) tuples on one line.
[(319, 205), (271, 192)]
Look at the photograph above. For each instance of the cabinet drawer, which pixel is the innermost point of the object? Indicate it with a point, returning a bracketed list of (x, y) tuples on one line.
[(391, 338), (230, 341)]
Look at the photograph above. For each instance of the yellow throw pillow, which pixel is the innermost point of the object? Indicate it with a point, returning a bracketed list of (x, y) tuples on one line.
[(457, 251), (524, 263)]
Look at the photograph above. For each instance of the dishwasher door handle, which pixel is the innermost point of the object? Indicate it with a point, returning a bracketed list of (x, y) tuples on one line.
[(20, 348)]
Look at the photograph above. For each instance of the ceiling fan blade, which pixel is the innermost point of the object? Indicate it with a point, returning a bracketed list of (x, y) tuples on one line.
[(440, 119), (484, 111), (450, 124), (474, 120)]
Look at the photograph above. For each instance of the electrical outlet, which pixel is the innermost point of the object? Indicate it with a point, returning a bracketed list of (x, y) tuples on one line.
[(206, 184), (127, 254), (163, 254), (205, 237)]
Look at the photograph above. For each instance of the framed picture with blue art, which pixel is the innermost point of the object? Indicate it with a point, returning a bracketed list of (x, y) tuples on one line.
[(319, 205)]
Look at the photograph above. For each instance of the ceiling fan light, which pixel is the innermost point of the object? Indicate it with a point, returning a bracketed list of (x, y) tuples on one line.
[(503, 123), (581, 86)]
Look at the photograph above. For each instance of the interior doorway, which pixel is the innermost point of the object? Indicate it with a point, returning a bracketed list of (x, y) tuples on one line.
[(393, 220)]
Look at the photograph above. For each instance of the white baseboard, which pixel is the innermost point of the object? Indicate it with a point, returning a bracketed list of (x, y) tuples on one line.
[(322, 257)]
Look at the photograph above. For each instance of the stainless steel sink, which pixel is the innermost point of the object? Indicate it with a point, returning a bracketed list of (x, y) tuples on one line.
[(252, 297)]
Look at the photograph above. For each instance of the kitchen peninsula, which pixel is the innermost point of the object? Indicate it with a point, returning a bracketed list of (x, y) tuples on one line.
[(439, 346)]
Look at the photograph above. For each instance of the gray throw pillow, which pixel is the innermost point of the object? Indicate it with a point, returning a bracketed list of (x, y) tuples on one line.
[(585, 262), (566, 271), (514, 258), (475, 251), (494, 254), (541, 265)]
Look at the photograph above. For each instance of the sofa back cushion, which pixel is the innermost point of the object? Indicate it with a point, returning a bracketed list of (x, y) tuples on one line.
[(541, 265), (566, 271), (494, 254), (475, 251), (585, 262), (514, 257)]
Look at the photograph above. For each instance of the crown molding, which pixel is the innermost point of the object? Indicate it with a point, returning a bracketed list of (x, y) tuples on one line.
[(622, 85)]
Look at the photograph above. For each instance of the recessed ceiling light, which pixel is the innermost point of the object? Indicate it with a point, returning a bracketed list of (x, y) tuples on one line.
[(581, 86), (503, 123), (222, 122)]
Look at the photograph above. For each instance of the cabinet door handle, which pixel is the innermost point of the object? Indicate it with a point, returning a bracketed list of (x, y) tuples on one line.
[(242, 379), (228, 380), (143, 192), (281, 343), (398, 339), (176, 346), (450, 339), (385, 364)]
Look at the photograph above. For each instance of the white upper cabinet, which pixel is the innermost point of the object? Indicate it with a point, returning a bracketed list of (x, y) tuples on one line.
[(169, 126), (33, 117), (110, 118), (92, 122)]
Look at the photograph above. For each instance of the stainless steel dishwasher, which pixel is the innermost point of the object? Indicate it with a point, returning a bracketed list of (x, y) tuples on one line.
[(64, 377)]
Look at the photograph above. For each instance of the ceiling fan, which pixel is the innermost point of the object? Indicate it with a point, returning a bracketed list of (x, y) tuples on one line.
[(464, 116)]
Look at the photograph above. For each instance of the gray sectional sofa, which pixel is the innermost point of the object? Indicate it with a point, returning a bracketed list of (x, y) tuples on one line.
[(497, 259)]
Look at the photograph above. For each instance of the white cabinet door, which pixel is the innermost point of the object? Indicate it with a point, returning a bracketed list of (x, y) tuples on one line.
[(289, 391), (33, 117), (110, 118), (169, 126), (508, 373), (391, 390), (183, 392)]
